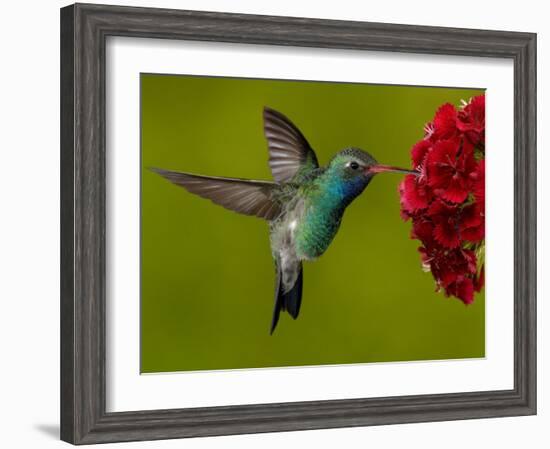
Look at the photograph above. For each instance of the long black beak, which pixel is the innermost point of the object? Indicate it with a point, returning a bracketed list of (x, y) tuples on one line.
[(379, 168)]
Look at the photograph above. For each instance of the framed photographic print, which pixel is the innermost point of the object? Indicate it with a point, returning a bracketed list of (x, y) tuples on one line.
[(273, 223)]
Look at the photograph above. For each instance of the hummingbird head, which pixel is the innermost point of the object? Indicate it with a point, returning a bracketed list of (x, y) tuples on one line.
[(352, 169), (354, 163)]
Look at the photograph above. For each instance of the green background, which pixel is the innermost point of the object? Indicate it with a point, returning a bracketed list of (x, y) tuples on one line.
[(207, 276)]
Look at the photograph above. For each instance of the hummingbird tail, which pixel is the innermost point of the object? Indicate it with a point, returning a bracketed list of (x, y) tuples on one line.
[(289, 301)]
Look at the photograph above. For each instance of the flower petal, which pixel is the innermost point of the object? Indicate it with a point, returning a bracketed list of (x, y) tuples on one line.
[(446, 234), (415, 195), (463, 289), (419, 151), (444, 122)]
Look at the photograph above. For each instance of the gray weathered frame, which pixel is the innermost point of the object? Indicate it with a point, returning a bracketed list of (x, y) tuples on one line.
[(84, 29)]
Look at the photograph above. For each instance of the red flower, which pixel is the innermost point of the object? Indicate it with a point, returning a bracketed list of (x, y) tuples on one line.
[(419, 152), (444, 123), (471, 120), (423, 230), (445, 218), (446, 202), (449, 170), (463, 289), (415, 194), (479, 183), (472, 223), (452, 270), (457, 264)]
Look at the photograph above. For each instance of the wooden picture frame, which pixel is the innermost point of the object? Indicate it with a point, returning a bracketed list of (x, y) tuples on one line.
[(84, 29)]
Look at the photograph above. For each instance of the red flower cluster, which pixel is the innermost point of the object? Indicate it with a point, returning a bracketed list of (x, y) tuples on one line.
[(446, 201)]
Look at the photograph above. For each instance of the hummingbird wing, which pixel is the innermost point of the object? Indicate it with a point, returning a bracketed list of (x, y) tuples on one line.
[(239, 195), (289, 151)]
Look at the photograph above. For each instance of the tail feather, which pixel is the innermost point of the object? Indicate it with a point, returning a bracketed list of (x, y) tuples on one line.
[(279, 303), (289, 301), (293, 298)]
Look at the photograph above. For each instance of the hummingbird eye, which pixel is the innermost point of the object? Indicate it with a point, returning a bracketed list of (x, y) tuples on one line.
[(354, 165)]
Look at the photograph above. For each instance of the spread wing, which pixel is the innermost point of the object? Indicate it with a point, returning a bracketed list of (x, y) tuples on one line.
[(239, 195), (289, 151)]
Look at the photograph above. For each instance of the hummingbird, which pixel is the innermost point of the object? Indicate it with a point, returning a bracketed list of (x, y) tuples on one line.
[(304, 205)]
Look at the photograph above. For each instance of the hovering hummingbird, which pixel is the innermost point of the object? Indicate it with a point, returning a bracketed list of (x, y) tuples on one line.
[(304, 206)]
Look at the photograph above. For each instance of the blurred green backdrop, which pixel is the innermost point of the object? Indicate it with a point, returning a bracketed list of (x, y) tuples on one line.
[(207, 277)]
